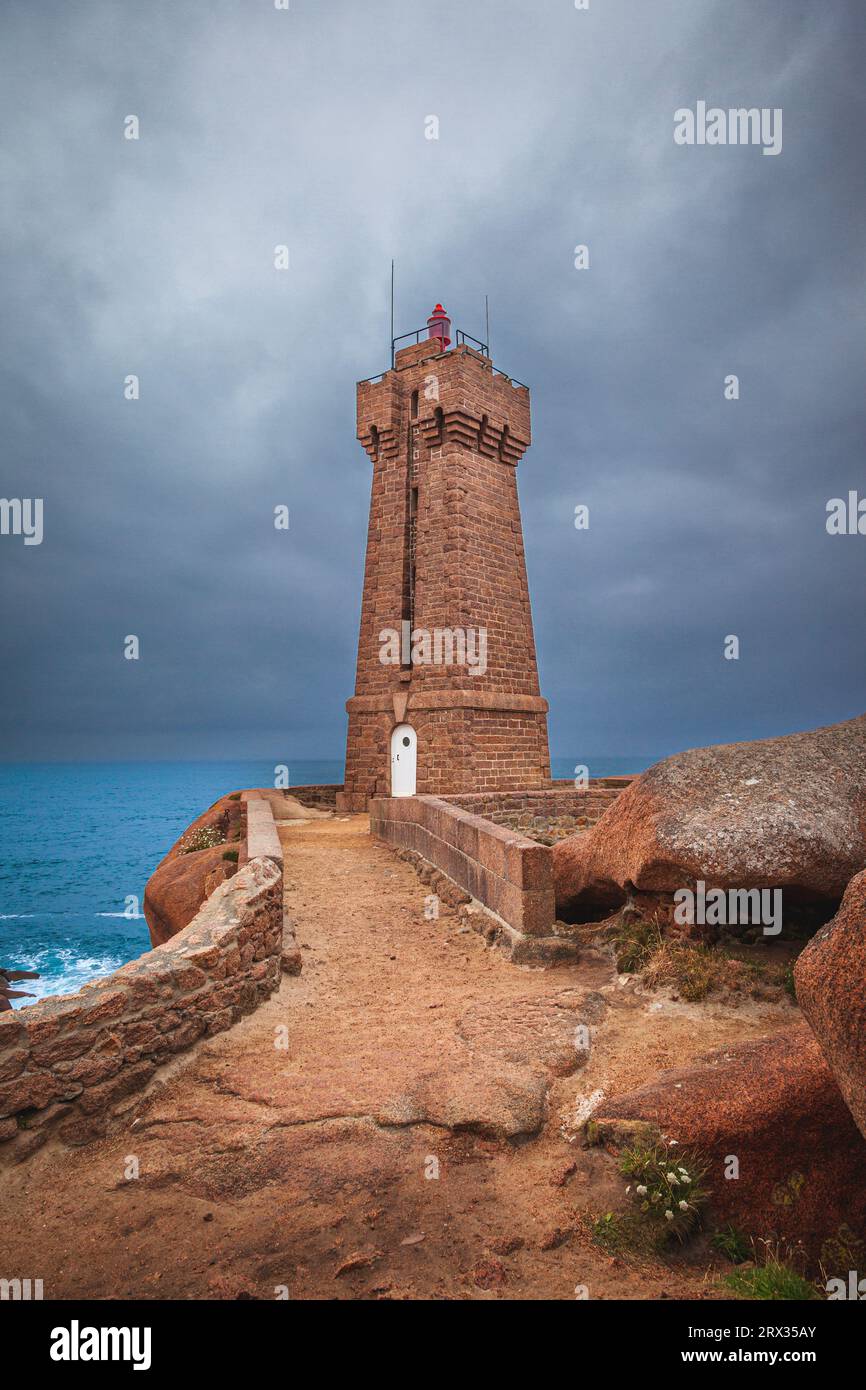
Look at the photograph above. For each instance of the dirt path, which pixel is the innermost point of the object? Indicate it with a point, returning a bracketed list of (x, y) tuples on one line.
[(395, 1122)]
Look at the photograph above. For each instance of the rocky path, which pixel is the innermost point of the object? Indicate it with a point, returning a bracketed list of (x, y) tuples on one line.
[(398, 1121)]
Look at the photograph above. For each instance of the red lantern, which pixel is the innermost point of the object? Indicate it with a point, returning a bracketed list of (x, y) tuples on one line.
[(439, 326)]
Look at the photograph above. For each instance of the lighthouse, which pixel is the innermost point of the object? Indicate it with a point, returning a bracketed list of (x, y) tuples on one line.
[(446, 694)]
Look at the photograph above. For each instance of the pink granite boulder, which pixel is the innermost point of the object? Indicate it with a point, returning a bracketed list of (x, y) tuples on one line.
[(187, 876), (773, 1105), (785, 813), (830, 978)]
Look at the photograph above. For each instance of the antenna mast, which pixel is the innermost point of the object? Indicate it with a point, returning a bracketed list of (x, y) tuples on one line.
[(392, 312)]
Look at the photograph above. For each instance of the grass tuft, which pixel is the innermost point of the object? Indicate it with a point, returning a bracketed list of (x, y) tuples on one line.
[(607, 1232), (733, 1245), (774, 1280), (635, 941), (695, 969), (666, 1189)]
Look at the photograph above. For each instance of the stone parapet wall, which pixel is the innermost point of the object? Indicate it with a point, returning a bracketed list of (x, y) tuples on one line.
[(546, 815), (510, 875), (475, 840), (559, 799), (71, 1065), (263, 842), (323, 795)]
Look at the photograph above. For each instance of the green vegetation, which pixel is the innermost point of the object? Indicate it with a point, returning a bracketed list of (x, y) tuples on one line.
[(231, 854), (667, 1201), (667, 1190), (607, 1232), (773, 1273), (206, 837), (635, 942), (733, 1245), (842, 1250), (774, 1280), (692, 968)]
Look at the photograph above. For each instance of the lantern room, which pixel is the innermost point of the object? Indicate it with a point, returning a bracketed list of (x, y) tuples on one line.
[(439, 326)]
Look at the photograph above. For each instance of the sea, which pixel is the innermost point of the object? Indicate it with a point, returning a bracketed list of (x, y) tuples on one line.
[(78, 842)]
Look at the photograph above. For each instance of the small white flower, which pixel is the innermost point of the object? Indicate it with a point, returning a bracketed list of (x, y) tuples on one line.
[(641, 1191), (673, 1180), (684, 1206), (669, 1216), (628, 1189)]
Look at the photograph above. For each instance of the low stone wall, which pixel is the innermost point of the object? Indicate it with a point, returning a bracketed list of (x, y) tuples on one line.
[(71, 1065), (510, 875), (323, 795), (547, 815), (262, 841), (557, 799)]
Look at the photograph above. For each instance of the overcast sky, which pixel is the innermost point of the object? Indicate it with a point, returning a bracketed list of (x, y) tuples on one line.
[(260, 127)]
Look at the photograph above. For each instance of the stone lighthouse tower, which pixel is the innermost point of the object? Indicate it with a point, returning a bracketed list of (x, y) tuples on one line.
[(446, 696)]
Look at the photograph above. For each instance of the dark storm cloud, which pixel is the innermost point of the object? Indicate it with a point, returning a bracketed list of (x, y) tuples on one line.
[(261, 127)]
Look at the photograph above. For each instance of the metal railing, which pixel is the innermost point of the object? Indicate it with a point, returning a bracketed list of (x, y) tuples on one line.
[(461, 339), (417, 334)]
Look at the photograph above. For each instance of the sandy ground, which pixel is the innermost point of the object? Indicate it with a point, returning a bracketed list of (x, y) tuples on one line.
[(399, 1121)]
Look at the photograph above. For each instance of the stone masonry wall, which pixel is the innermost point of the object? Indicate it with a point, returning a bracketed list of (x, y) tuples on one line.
[(554, 813), (507, 873), (557, 799), (445, 553), (460, 452), (323, 796), (475, 840), (71, 1065), (471, 749)]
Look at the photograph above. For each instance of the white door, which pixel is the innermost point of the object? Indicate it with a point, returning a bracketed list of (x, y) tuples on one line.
[(404, 758)]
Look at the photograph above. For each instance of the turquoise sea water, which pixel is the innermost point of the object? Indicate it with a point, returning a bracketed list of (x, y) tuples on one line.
[(77, 840)]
